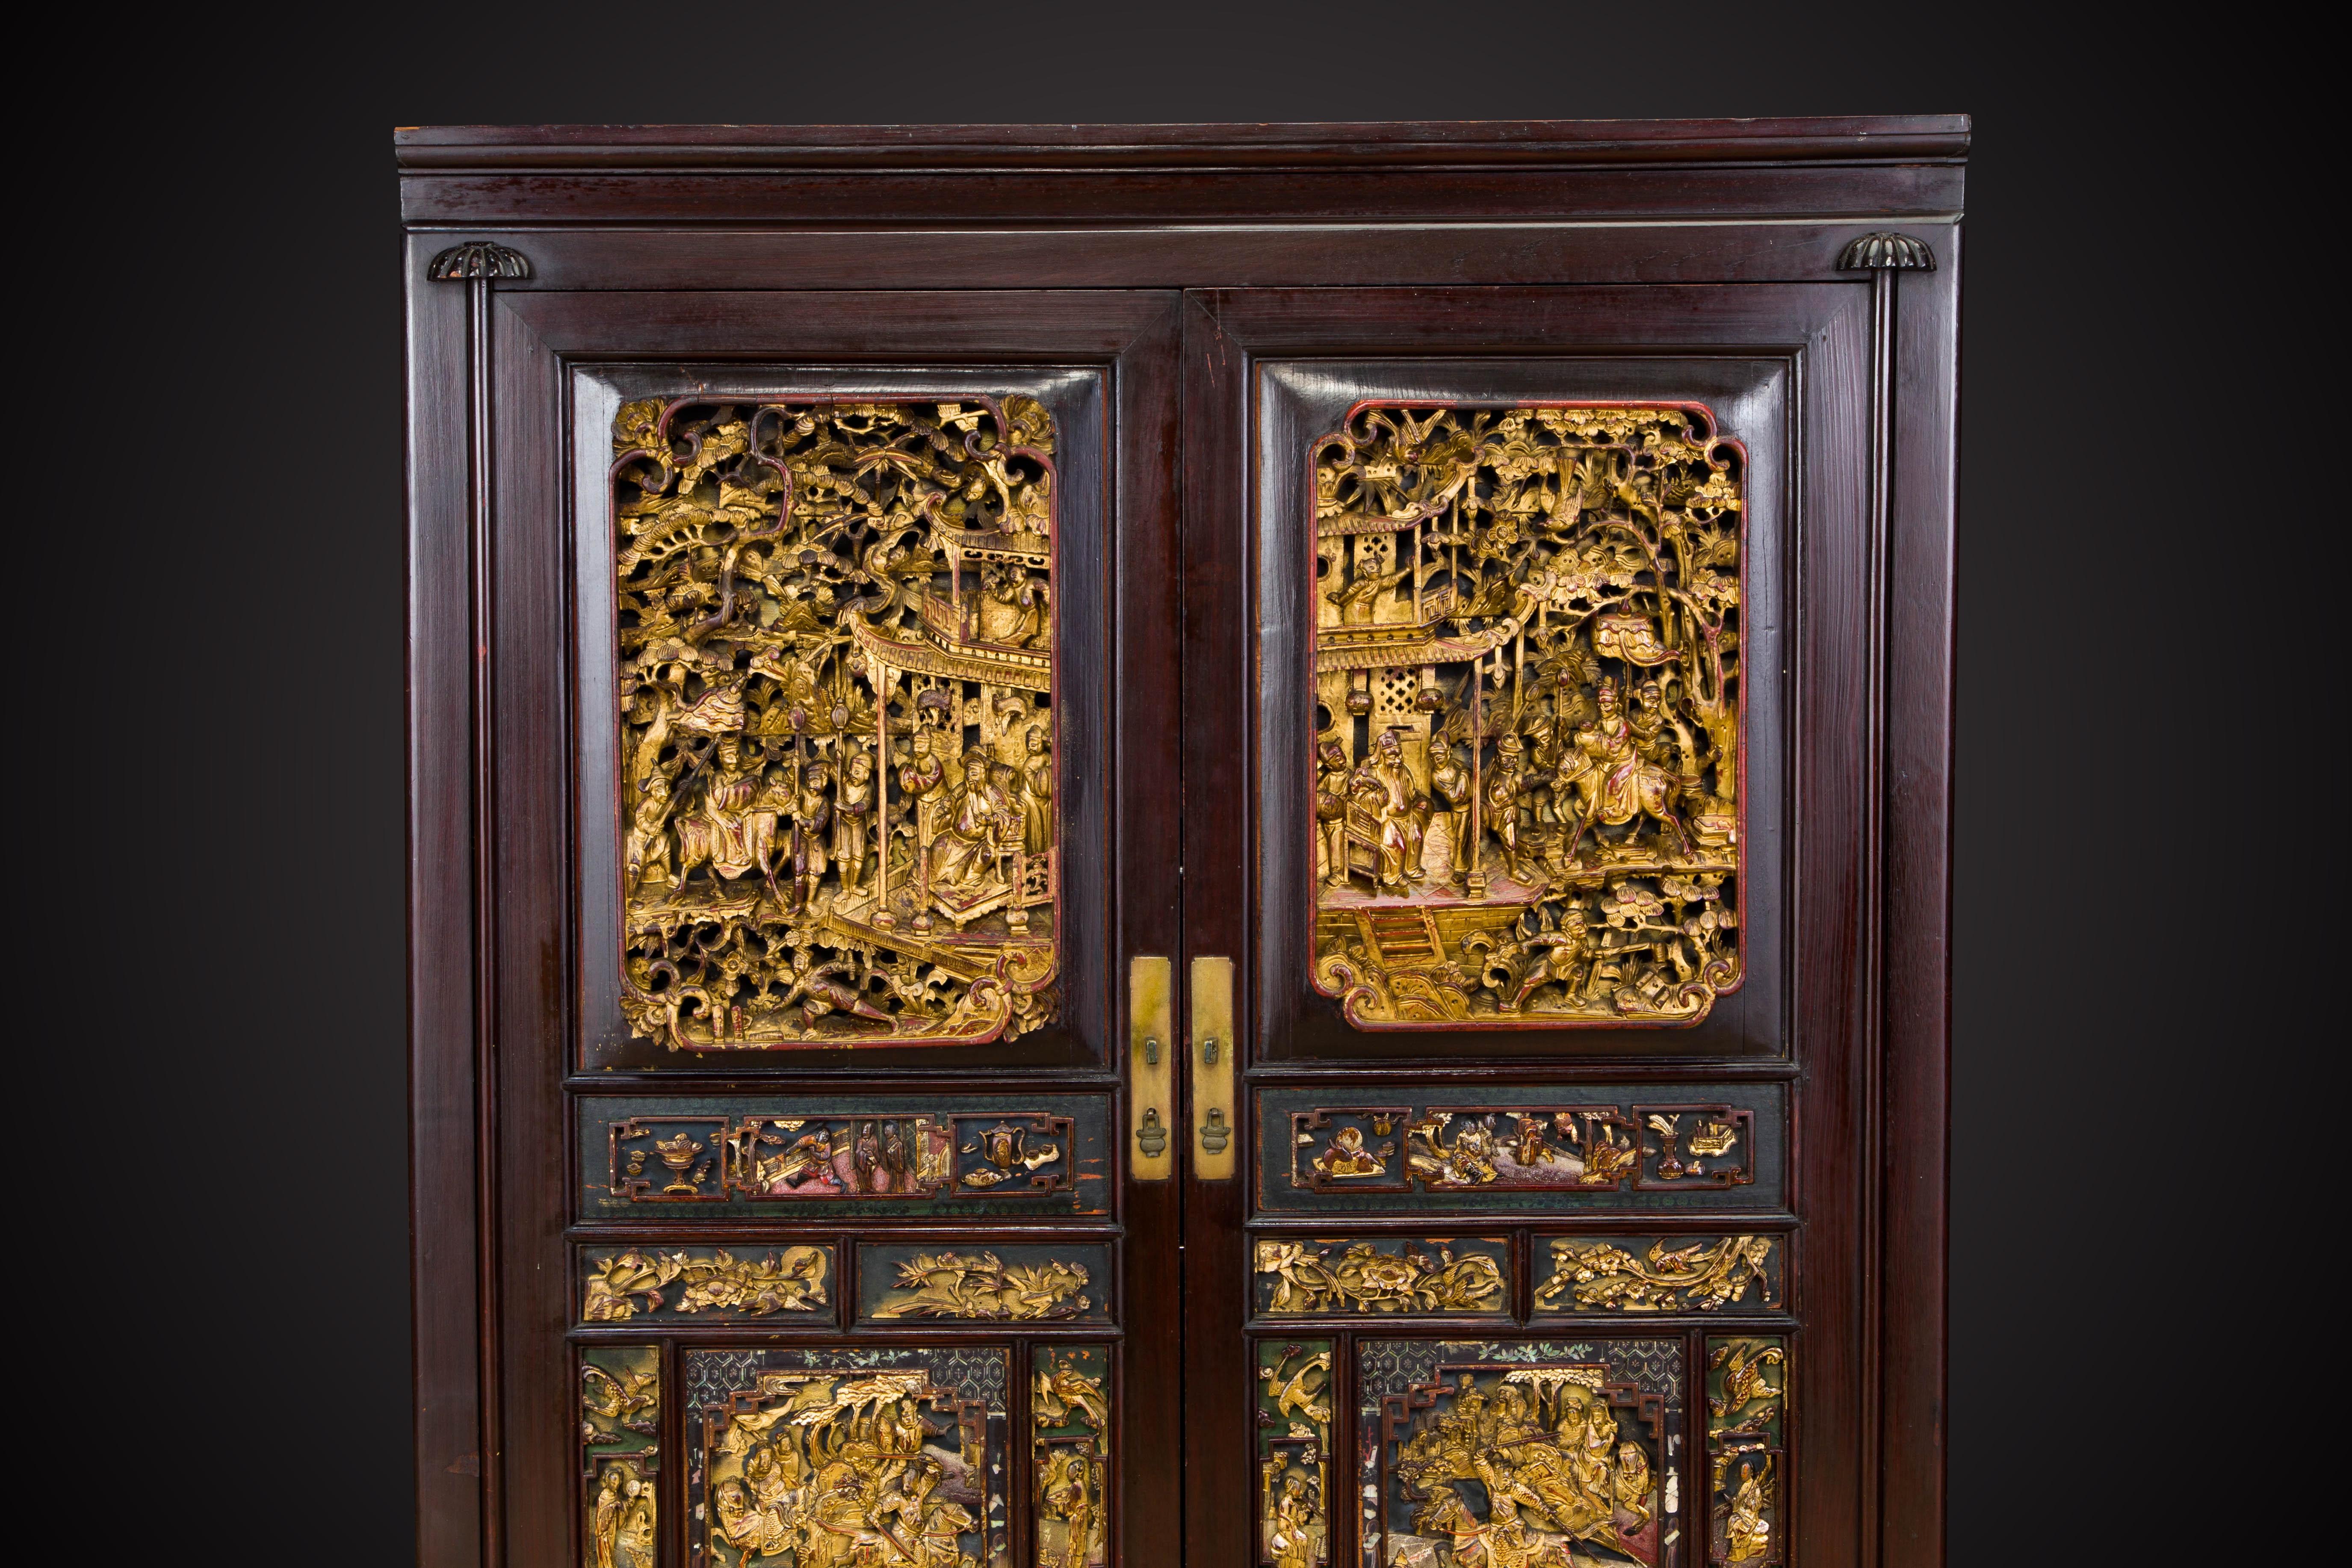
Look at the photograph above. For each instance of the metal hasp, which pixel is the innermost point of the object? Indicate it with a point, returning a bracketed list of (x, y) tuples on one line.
[(1152, 1077), (1212, 1068)]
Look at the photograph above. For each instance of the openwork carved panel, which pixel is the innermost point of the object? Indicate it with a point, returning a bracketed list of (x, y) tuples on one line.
[(620, 1427), (836, 648), (979, 1155), (1528, 1452), (840, 1457), (711, 1283), (1747, 1464), (1662, 1274), (985, 1284), (1070, 1458), (1295, 1390), (1448, 1276), (1527, 793)]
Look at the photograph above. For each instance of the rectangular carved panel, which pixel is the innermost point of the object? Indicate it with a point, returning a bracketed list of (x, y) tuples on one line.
[(988, 1284), (1662, 1273), (1295, 1390), (1301, 1276), (1509, 1147), (620, 1429), (1526, 657), (735, 1156), (1070, 1458), (1747, 1466), (835, 650), (842, 1457), (713, 1284), (1541, 1452)]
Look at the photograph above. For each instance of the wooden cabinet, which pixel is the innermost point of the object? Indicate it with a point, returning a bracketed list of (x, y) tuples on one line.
[(1221, 845)]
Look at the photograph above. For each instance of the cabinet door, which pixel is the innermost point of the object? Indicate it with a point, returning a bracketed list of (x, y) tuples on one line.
[(1532, 766), (793, 682)]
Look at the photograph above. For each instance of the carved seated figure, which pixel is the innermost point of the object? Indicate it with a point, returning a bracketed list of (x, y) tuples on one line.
[(1388, 812)]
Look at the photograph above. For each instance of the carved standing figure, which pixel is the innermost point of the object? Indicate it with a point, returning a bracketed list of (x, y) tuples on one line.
[(1393, 811)]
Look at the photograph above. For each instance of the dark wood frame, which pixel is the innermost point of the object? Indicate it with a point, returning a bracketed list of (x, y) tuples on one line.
[(663, 221)]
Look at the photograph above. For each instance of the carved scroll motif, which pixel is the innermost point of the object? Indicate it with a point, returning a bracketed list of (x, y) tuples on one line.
[(1294, 1426), (1070, 1464), (837, 765), (841, 1458), (620, 1425), (1537, 1453), (1747, 1409), (1676, 1274), (1527, 779), (1301, 1276)]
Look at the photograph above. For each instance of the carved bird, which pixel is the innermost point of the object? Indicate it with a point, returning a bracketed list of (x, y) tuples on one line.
[(1063, 1389), (1297, 1393)]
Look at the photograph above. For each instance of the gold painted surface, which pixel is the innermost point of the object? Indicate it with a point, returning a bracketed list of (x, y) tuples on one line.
[(1526, 669), (1593, 1274), (1747, 1406), (1070, 1458), (1216, 1147), (1152, 1133), (837, 776), (704, 1279), (620, 1425), (983, 1286), (1294, 1422), (1314, 1277)]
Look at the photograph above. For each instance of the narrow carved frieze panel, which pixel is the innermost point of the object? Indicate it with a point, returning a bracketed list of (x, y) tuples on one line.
[(1070, 1458), (716, 1157), (837, 645), (1295, 1390), (1662, 1273), (714, 1284), (891, 1455), (1747, 1465), (1536, 1452), (620, 1429), (985, 1284), (1526, 676), (1507, 1145), (1466, 1275)]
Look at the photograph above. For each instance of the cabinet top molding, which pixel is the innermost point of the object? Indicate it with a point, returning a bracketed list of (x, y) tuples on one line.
[(1358, 144)]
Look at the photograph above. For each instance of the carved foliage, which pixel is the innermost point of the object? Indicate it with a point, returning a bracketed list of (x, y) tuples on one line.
[(1070, 1460), (1295, 1390), (1527, 678), (620, 1425), (707, 1280), (1674, 1273), (1297, 1277), (1747, 1409), (1003, 1285), (837, 776)]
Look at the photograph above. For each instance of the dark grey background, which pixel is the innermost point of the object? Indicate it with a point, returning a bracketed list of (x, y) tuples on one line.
[(224, 404)]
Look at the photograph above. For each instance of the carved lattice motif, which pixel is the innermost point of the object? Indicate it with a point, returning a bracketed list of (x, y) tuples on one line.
[(837, 776), (1527, 672)]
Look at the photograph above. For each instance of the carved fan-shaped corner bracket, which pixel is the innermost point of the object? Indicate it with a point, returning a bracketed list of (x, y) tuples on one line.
[(478, 259), (1890, 252)]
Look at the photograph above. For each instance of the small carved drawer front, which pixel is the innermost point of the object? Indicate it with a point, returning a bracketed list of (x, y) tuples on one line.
[(787, 1286), (835, 678), (620, 1454), (985, 1284), (1681, 1273), (1542, 1451), (878, 1455), (1526, 667), (1299, 1277), (742, 1158)]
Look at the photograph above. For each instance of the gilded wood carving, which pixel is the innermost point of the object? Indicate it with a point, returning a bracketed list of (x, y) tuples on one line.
[(1675, 1274), (620, 1425), (1069, 1466), (1294, 1426), (1747, 1407), (981, 1286), (1299, 1276), (1533, 1148), (1520, 1455), (1527, 779), (831, 1459), (835, 678), (709, 1280)]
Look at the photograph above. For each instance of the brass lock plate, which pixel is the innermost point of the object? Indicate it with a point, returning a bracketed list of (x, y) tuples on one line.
[(1216, 1132)]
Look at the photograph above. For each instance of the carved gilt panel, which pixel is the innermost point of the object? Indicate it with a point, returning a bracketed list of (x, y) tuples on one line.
[(1449, 1276), (620, 1429), (985, 1284), (978, 1155), (840, 1457), (1526, 676), (1070, 1458), (713, 1283), (1540, 1453), (1663, 1274), (1747, 1463), (1295, 1390), (835, 674)]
